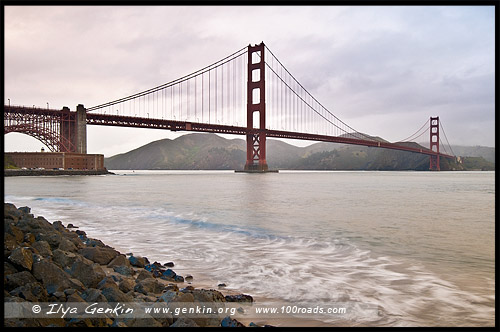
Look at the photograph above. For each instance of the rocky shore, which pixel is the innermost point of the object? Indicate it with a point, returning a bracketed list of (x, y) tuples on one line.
[(48, 172), (48, 263)]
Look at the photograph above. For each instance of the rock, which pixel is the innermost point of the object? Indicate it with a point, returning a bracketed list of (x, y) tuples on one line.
[(184, 322), (168, 275), (99, 255), (144, 275), (58, 225), (71, 226), (81, 233), (229, 322), (9, 228), (126, 285), (172, 287), (239, 298), (124, 270), (80, 322), (205, 295), (186, 289), (188, 277), (8, 268), (120, 260), (92, 295), (29, 238), (179, 278), (51, 275), (53, 238), (18, 279), (32, 292), (148, 286), (22, 257), (43, 248), (88, 272), (63, 258), (67, 245), (137, 261), (113, 294), (221, 285), (24, 209), (169, 264), (106, 282), (75, 297)]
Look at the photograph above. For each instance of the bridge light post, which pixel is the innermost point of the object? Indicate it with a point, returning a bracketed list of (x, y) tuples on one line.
[(47, 105), (9, 101)]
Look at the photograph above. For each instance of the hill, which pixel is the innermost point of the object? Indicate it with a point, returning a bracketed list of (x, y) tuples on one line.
[(210, 151)]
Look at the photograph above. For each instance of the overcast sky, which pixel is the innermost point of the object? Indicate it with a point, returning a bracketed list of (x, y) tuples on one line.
[(383, 70)]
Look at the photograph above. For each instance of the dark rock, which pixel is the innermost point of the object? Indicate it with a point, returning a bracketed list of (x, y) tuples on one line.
[(22, 257), (179, 278), (229, 322), (43, 248), (126, 285), (32, 292), (29, 238), (188, 277), (169, 275), (169, 264), (221, 285), (51, 275), (119, 261), (75, 297), (24, 209), (144, 275), (99, 255), (92, 295), (148, 286), (124, 270), (53, 238), (188, 288), (9, 228), (205, 295), (106, 282), (88, 272), (18, 279), (71, 226), (8, 268), (137, 261), (113, 294), (67, 245), (80, 322), (184, 322), (63, 258), (172, 287), (239, 298), (58, 225), (81, 233)]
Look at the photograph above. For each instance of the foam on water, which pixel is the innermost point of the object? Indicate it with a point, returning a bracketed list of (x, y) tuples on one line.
[(294, 269)]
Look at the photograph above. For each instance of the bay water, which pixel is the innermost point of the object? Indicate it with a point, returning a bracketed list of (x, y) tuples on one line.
[(417, 246)]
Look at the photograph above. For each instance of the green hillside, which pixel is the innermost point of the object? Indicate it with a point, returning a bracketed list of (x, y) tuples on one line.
[(210, 151)]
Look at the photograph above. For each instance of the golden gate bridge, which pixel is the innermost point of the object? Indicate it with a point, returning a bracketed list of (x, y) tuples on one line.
[(249, 92)]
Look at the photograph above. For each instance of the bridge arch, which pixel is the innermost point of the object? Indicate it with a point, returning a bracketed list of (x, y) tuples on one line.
[(48, 138)]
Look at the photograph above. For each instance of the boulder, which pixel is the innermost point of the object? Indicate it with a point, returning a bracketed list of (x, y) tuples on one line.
[(53, 238), (43, 248), (149, 286), (64, 258), (92, 295), (144, 275), (88, 272), (113, 294), (126, 285), (67, 245), (184, 322), (18, 279), (138, 261), (124, 270), (120, 260), (239, 298), (32, 292), (99, 255), (205, 295), (107, 282), (229, 322), (51, 275), (22, 257)]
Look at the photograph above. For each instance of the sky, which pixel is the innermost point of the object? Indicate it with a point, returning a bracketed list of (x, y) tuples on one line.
[(383, 70)]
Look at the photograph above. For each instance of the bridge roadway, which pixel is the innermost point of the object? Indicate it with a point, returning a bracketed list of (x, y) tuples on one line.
[(153, 123)]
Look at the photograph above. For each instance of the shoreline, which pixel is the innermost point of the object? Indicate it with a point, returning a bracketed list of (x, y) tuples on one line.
[(49, 263), (53, 172)]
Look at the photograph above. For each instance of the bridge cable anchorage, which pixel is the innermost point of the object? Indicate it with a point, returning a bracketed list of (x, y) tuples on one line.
[(216, 64), (364, 136)]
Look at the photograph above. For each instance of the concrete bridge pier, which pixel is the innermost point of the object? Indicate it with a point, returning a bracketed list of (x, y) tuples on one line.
[(81, 129)]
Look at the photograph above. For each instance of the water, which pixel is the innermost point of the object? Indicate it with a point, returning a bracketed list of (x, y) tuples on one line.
[(419, 246)]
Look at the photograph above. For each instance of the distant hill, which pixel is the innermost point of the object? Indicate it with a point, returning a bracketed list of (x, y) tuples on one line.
[(210, 151)]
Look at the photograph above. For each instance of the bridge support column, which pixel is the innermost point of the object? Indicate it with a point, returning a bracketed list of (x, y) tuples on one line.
[(256, 102), (434, 145), (81, 129)]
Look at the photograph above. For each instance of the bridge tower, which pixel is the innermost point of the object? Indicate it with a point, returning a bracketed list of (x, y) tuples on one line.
[(434, 145), (256, 102)]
